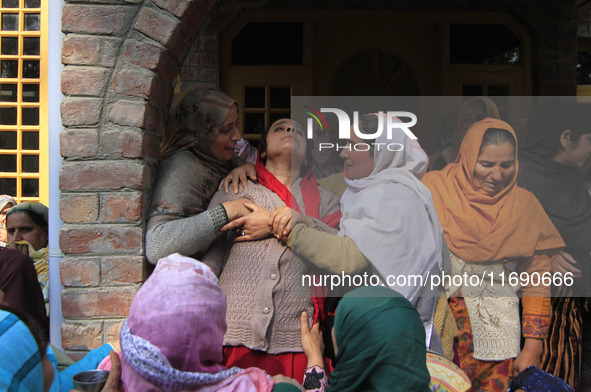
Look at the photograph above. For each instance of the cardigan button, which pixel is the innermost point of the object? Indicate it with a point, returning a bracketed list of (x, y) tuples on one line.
[(273, 276), (266, 310)]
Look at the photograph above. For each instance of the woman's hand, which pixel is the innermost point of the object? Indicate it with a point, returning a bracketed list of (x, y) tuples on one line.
[(282, 220), (114, 381), (23, 248), (530, 355), (562, 263), (239, 176), (236, 209), (252, 226), (312, 342)]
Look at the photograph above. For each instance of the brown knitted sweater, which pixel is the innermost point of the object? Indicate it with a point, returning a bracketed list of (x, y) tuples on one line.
[(263, 279)]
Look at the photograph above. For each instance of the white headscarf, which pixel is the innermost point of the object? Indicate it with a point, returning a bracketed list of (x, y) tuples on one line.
[(390, 216)]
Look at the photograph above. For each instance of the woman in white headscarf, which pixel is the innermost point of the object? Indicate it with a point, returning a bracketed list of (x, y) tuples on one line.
[(389, 224)]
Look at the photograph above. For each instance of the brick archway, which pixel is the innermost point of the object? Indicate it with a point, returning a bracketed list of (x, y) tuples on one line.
[(121, 63)]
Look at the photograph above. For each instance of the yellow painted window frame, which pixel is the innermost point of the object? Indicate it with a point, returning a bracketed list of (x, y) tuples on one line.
[(43, 127)]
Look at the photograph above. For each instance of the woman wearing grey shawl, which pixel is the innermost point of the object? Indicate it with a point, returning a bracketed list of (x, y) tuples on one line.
[(197, 152), (558, 144)]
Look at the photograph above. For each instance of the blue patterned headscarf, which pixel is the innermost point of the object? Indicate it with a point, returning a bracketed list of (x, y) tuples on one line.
[(533, 379)]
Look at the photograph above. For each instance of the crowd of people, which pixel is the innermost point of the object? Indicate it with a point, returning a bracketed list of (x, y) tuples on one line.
[(225, 308)]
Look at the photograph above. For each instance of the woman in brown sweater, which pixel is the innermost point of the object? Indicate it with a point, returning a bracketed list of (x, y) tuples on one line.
[(262, 278)]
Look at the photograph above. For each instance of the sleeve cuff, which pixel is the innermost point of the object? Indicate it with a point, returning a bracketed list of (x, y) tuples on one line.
[(534, 326), (219, 216)]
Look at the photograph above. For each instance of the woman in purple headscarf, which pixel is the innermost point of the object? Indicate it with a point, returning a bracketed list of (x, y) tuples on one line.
[(172, 340)]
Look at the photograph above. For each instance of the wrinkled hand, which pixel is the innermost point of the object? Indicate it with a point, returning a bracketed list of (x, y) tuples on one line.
[(239, 176), (563, 262), (530, 355), (253, 225), (282, 220), (281, 378), (312, 342), (235, 209)]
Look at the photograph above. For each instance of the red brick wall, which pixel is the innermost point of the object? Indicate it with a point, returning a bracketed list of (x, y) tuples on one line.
[(121, 63)]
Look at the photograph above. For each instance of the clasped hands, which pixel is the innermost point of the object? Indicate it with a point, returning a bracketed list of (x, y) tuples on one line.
[(252, 222)]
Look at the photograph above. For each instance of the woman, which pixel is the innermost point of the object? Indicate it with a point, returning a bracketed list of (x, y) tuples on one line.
[(172, 340), (6, 202), (379, 343), (24, 361), (473, 109), (558, 143), (20, 287), (388, 224), (197, 151), (260, 276), (28, 230), (492, 227)]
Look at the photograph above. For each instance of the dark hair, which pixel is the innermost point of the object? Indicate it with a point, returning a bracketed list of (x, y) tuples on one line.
[(548, 121), (263, 148), (37, 332), (496, 136)]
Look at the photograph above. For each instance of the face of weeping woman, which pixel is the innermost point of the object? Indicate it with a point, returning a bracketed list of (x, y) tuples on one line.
[(222, 139), (285, 140), (495, 165)]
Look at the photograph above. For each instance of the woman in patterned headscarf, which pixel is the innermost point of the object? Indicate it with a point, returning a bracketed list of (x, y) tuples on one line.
[(6, 202)]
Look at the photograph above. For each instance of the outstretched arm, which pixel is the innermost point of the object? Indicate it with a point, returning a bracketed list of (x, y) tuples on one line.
[(191, 235), (331, 252), (315, 378)]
